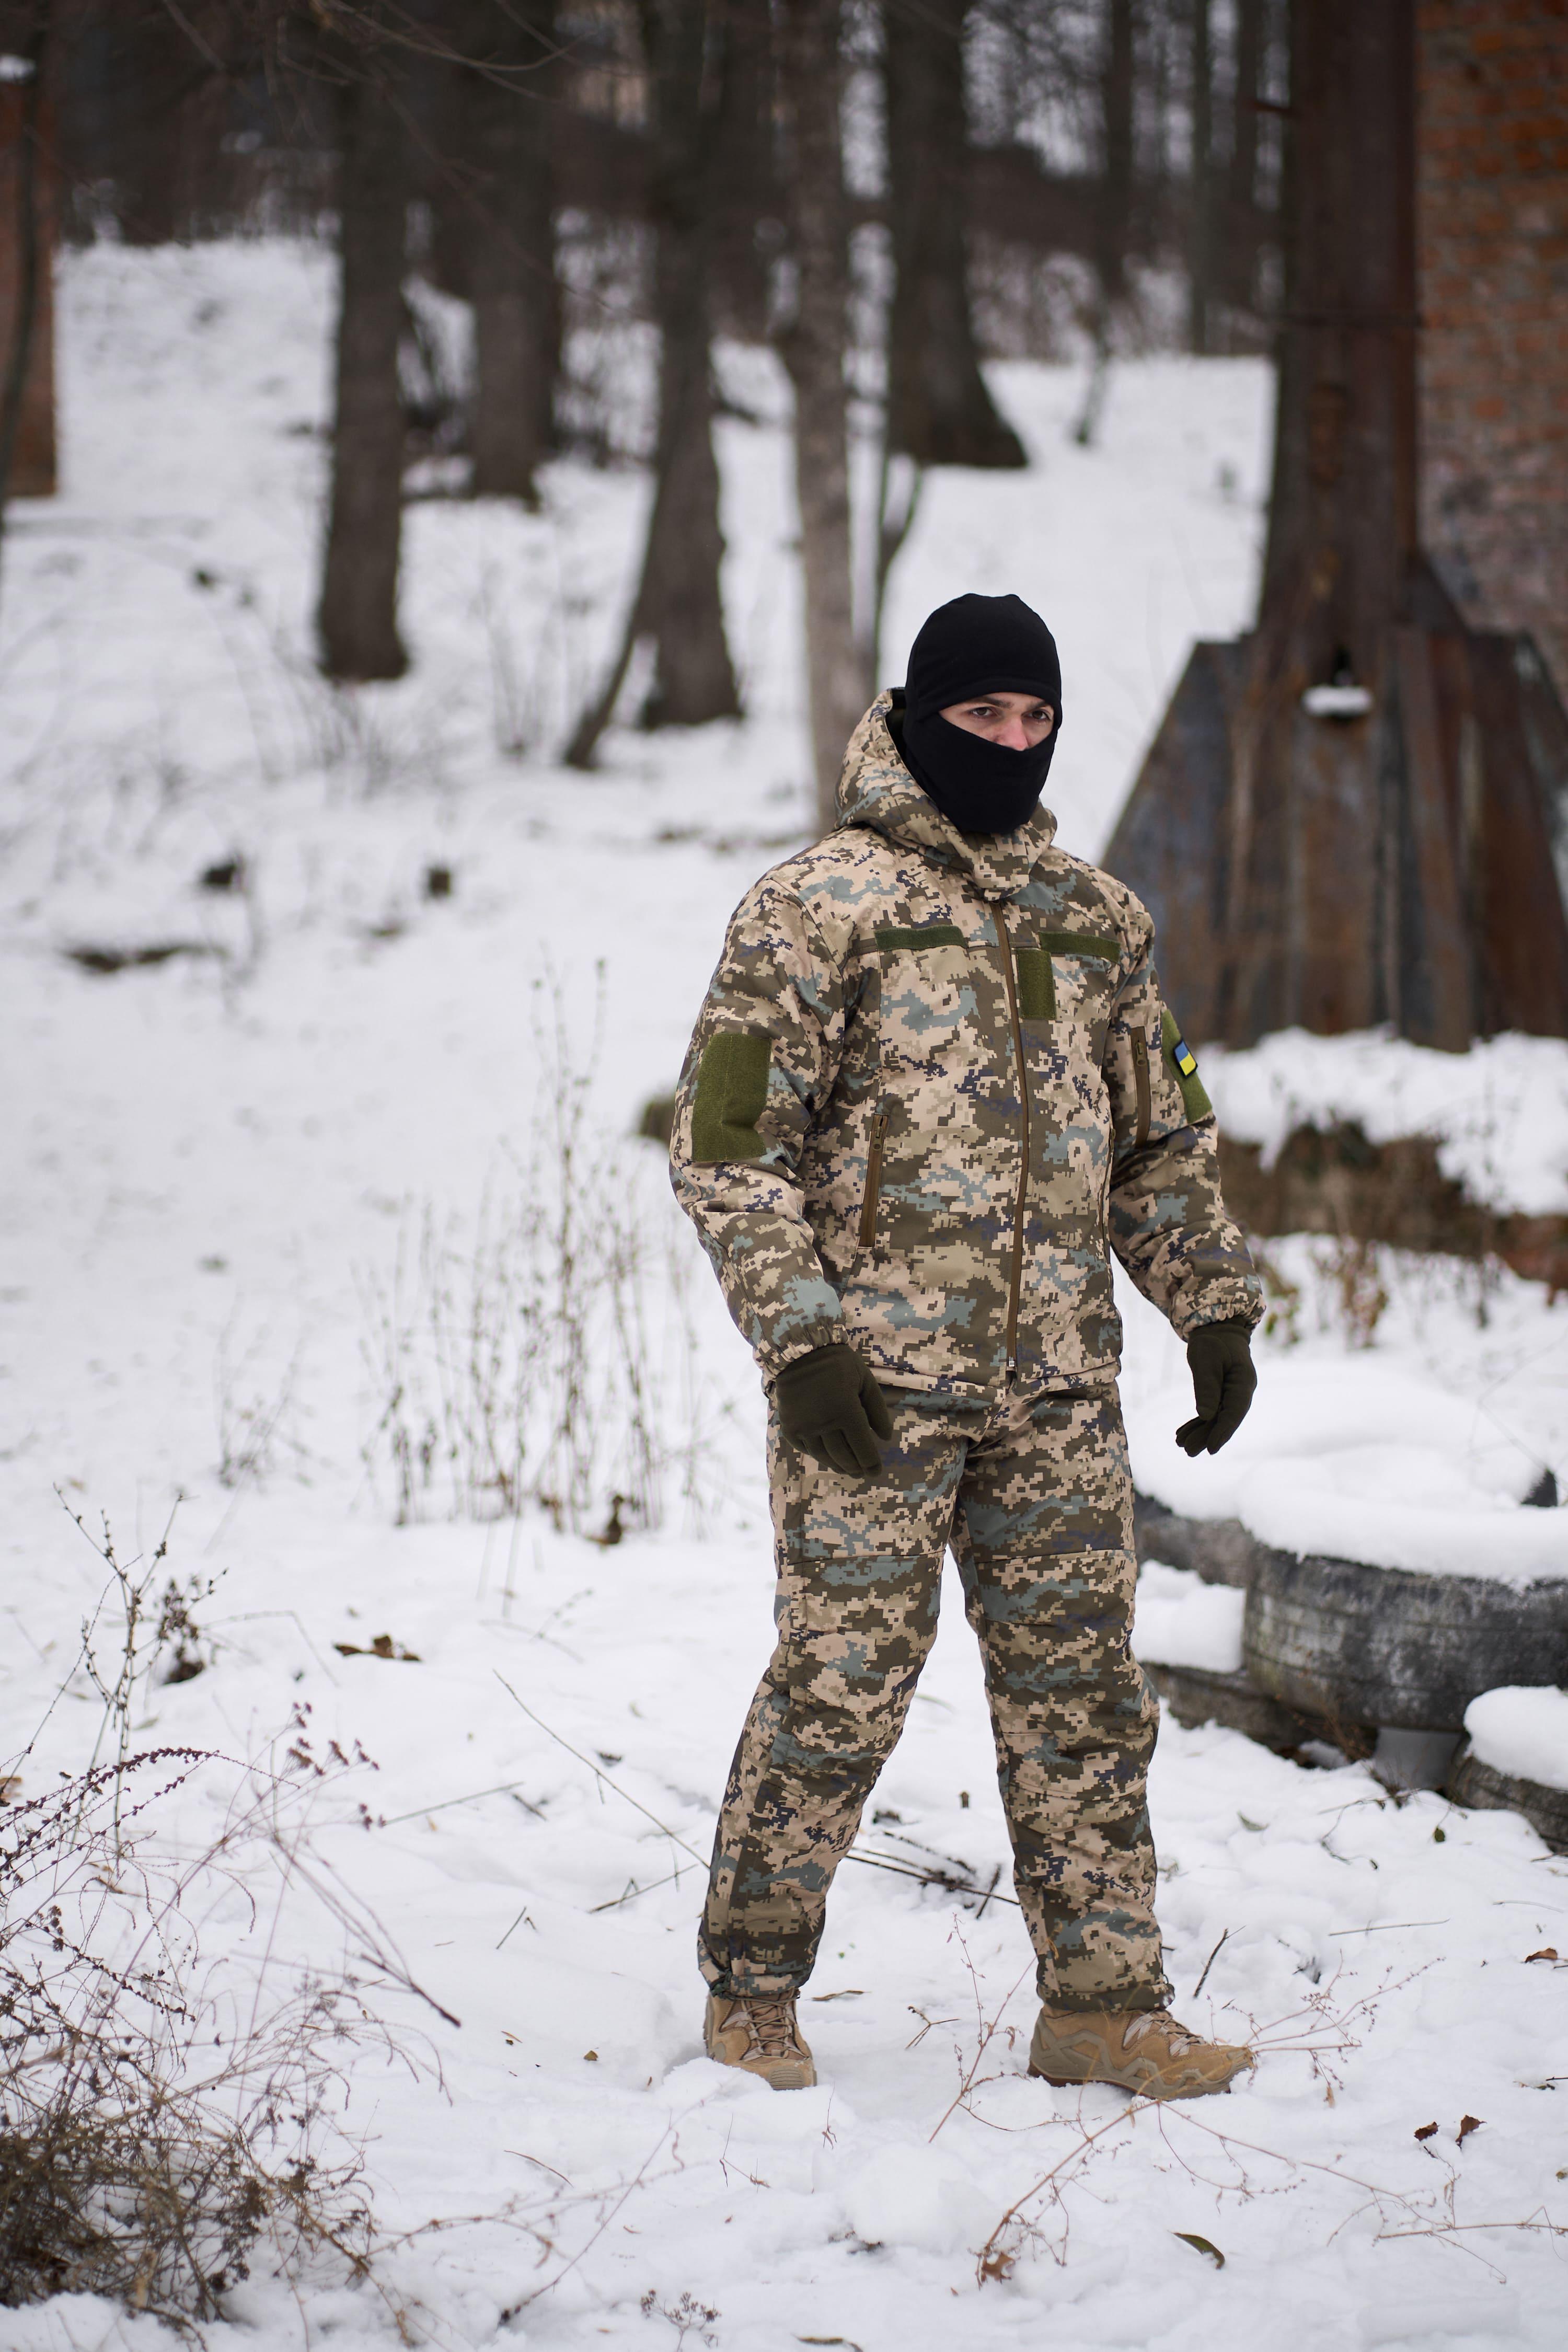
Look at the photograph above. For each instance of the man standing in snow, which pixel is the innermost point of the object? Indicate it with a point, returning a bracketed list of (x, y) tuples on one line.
[(932, 1087)]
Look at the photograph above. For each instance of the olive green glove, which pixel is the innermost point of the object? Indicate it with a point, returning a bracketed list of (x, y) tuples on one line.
[(829, 1406), (1224, 1380)]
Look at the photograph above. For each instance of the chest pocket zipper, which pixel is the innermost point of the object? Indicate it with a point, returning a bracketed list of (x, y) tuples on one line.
[(1141, 1082), (873, 1180)]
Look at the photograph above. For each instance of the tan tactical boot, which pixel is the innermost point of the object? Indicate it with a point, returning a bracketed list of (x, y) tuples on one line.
[(1142, 2050), (759, 2035)]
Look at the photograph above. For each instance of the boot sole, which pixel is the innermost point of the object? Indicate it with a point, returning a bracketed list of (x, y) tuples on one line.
[(1133, 2090), (799, 2076)]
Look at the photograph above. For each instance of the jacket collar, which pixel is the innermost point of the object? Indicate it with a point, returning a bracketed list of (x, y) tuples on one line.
[(876, 790)]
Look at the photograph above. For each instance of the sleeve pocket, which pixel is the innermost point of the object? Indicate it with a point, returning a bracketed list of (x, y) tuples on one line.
[(731, 1095)]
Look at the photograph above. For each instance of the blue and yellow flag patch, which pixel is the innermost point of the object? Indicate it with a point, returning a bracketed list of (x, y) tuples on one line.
[(1183, 1063)]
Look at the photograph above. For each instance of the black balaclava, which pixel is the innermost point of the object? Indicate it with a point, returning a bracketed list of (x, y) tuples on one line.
[(975, 645)]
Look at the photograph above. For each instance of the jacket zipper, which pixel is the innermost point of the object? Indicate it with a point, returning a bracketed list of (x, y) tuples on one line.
[(1140, 1081), (1015, 1287), (873, 1180)]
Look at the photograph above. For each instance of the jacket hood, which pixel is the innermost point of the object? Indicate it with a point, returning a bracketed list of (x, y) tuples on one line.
[(876, 790)]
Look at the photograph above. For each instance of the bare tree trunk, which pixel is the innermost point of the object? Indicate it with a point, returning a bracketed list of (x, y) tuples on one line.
[(357, 618), (1114, 219), (1241, 205), (1116, 96), (678, 605), (1345, 818), (682, 605), (900, 484), (745, 190), (813, 346), (517, 312), (1200, 183), (939, 410), (21, 374)]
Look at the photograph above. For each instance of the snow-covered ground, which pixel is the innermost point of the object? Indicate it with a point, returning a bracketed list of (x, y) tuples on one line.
[(216, 1168)]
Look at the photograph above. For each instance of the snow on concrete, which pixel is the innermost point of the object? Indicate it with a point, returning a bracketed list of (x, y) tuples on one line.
[(1183, 1622), (1500, 1112), (1413, 1452), (1523, 1733), (213, 1168)]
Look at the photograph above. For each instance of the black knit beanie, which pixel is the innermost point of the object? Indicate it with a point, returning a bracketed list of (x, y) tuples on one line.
[(975, 645)]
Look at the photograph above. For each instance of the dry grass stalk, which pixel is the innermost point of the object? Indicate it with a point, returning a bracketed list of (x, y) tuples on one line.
[(165, 2116), (544, 1355)]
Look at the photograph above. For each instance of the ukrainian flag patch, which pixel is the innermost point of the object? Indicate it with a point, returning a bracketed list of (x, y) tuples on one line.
[(1182, 1064)]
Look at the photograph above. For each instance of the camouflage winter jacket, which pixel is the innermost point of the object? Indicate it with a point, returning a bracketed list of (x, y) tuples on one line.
[(931, 1087)]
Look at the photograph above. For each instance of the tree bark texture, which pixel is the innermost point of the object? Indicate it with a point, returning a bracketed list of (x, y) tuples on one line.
[(1341, 867), (1200, 182), (940, 412), (1114, 227), (1113, 206), (1241, 192), (28, 227), (357, 618), (678, 605), (746, 192), (507, 120), (1341, 523), (813, 346)]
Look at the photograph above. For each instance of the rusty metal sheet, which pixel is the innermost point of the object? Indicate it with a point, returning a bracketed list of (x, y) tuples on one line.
[(1521, 933), (1437, 964)]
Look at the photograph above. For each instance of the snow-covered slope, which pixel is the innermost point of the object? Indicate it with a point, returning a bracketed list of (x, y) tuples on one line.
[(212, 1170)]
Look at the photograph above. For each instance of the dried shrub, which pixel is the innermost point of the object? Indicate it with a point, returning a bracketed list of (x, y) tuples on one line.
[(1361, 1294), (542, 1352), (1334, 1180), (167, 2120)]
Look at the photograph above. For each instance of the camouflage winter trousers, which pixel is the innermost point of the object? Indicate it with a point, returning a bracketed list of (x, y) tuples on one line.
[(1034, 1498)]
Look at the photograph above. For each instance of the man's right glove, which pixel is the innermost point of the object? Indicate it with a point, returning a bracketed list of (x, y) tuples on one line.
[(830, 1407), (1219, 1355)]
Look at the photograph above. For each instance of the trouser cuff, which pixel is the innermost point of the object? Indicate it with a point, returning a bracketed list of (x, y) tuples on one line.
[(1072, 2001)]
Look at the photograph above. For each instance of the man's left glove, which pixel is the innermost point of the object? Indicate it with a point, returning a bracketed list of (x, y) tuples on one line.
[(1224, 1380), (830, 1406)]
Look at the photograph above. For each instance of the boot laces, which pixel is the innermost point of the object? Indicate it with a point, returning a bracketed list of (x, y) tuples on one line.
[(1178, 2039), (771, 2017)]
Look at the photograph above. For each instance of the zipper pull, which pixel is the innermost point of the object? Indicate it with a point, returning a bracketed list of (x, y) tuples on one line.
[(873, 1180), (1142, 1088)]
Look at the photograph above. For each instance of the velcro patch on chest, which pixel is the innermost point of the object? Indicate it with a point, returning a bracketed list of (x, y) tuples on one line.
[(929, 935)]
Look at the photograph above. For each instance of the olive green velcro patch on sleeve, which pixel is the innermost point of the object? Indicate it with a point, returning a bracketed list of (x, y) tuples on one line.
[(1036, 985), (1183, 1063), (732, 1093), (932, 935), (1083, 943)]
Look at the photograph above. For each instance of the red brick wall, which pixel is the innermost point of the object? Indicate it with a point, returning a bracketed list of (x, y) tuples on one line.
[(1492, 223)]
